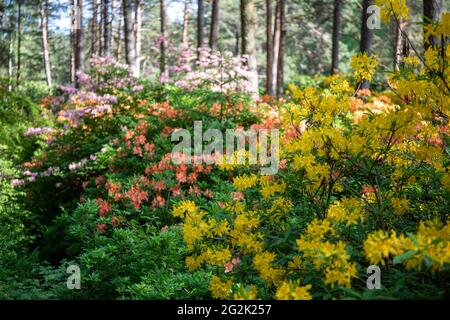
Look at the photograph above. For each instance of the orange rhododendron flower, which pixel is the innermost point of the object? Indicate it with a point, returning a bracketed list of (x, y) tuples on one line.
[(115, 221), (237, 196), (99, 180), (140, 140), (158, 201), (136, 196), (137, 151), (159, 186), (366, 189), (103, 207), (176, 191), (101, 227)]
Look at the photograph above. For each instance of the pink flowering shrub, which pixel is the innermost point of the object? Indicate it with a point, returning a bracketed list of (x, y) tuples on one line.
[(84, 122), (213, 71), (207, 70)]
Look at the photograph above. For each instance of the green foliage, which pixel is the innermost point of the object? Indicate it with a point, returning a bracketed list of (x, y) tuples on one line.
[(35, 280), (17, 113), (12, 216), (139, 262)]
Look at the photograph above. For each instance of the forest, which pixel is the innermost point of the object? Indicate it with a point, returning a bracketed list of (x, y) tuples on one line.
[(224, 150)]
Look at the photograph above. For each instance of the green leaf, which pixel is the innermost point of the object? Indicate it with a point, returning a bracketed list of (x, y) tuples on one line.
[(428, 261), (352, 293), (405, 256), (413, 238)]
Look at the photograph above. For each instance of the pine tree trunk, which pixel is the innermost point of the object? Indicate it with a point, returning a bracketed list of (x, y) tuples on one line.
[(276, 47), (366, 36), (73, 38), (200, 25), (248, 30), (10, 60), (111, 28), (118, 37), (43, 10), (137, 28), (432, 10), (366, 33), (184, 39), (280, 67), (79, 56), (5, 27), (405, 46), (237, 45), (2, 16), (162, 62), (19, 41), (269, 48), (398, 44), (130, 41), (214, 35), (94, 29), (106, 41), (336, 36)]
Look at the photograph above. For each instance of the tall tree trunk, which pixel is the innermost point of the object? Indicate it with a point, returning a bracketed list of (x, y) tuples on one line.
[(280, 67), (336, 36), (111, 28), (118, 37), (214, 33), (432, 10), (19, 40), (276, 46), (10, 60), (184, 39), (398, 44), (73, 39), (111, 25), (43, 12), (2, 15), (237, 44), (366, 36), (200, 24), (79, 56), (130, 40), (5, 27), (162, 62), (269, 48), (106, 41), (94, 29), (137, 29), (248, 30), (405, 45), (366, 33)]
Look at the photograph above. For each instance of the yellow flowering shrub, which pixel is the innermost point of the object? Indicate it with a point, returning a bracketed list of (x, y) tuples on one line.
[(220, 289), (244, 182), (390, 8), (291, 291), (429, 246), (365, 181), (364, 66)]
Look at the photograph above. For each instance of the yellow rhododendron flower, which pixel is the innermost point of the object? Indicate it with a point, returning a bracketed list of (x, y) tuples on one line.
[(291, 291), (220, 289), (400, 205), (364, 66), (244, 182)]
